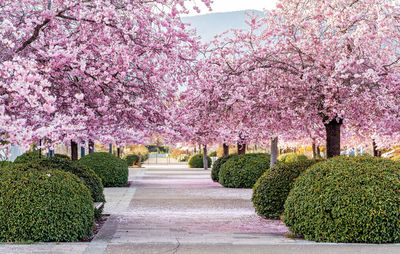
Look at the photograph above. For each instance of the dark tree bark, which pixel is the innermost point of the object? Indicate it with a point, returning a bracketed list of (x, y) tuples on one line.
[(110, 149), (74, 151), (91, 146), (40, 148), (314, 150), (333, 138), (119, 152), (226, 149), (377, 153), (205, 161), (241, 148), (318, 152), (274, 152)]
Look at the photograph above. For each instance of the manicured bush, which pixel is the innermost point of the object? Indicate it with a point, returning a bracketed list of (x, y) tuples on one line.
[(217, 166), (196, 161), (131, 159), (112, 170), (91, 179), (291, 157), (4, 163), (43, 204), (212, 154), (351, 200), (272, 188), (145, 157), (62, 156), (27, 157), (243, 171)]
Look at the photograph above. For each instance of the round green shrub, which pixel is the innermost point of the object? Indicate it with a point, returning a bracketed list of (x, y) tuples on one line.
[(349, 200), (4, 163), (243, 171), (90, 178), (112, 170), (217, 166), (212, 154), (272, 188), (291, 157), (196, 161), (28, 157), (131, 159), (42, 204), (62, 156), (145, 157)]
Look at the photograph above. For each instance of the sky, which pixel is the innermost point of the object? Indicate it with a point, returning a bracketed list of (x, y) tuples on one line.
[(237, 5)]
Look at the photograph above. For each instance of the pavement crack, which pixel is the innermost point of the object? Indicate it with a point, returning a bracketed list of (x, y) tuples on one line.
[(174, 251)]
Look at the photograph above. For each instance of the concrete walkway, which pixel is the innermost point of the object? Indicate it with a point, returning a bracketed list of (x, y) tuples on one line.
[(173, 209)]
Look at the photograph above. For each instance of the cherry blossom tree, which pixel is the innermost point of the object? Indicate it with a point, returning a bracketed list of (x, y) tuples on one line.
[(87, 69), (326, 62)]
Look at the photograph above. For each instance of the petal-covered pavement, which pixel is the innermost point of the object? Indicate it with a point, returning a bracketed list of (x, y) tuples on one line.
[(174, 209)]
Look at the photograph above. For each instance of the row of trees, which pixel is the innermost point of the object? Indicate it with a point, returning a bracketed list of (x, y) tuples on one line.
[(90, 70), (306, 72)]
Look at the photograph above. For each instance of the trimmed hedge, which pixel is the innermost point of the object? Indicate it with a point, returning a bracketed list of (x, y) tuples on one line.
[(43, 204), (272, 188), (212, 154), (217, 166), (27, 157), (243, 171), (91, 180), (291, 157), (350, 200), (196, 161), (131, 159), (112, 170), (62, 156), (4, 163)]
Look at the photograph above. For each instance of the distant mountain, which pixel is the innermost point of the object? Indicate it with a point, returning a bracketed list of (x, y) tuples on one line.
[(209, 25)]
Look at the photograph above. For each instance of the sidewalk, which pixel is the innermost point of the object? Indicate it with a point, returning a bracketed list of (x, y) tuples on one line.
[(172, 209)]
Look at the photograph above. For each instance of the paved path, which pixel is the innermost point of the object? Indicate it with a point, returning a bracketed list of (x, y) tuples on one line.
[(173, 209)]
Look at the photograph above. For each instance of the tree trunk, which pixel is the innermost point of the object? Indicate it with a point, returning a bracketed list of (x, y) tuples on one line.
[(377, 153), (241, 148), (119, 152), (140, 160), (110, 149), (195, 150), (40, 148), (205, 162), (91, 146), (314, 150), (274, 152), (333, 138), (226, 149), (318, 152), (74, 151)]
